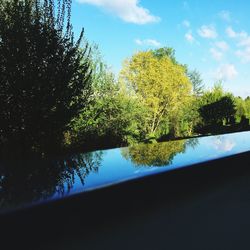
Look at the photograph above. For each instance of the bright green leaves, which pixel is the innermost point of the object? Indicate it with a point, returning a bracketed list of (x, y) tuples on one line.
[(161, 84)]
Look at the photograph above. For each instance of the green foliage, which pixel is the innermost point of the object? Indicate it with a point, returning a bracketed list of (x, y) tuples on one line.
[(44, 77), (217, 106), (213, 95), (113, 117), (241, 108), (162, 86), (165, 52), (169, 53), (216, 112), (197, 82), (52, 91), (247, 106)]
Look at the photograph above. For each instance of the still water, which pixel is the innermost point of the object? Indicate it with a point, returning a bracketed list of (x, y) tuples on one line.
[(36, 181)]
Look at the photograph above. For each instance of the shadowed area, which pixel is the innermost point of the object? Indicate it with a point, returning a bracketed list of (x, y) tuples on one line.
[(30, 181), (204, 206)]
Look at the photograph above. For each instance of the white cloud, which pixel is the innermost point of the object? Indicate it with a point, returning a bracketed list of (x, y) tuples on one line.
[(129, 11), (225, 15), (226, 72), (186, 23), (243, 41), (189, 37), (244, 55), (148, 42), (207, 31), (138, 41), (222, 45), (233, 34), (230, 32), (217, 55)]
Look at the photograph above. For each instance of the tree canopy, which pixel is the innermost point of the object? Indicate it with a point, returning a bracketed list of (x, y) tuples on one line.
[(161, 84), (214, 113), (44, 76)]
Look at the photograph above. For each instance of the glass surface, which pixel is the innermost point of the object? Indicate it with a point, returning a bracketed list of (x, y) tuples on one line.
[(28, 182)]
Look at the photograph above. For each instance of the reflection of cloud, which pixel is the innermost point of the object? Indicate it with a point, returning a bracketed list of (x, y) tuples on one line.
[(143, 170), (223, 144)]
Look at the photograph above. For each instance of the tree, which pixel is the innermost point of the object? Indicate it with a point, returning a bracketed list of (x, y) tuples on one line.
[(247, 106), (217, 106), (44, 76), (113, 117), (162, 86), (197, 82), (214, 113), (165, 52), (241, 109)]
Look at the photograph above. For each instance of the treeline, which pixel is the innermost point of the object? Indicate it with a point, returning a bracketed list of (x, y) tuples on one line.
[(154, 98), (57, 93)]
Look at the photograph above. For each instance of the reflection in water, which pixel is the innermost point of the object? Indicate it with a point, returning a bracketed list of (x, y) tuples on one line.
[(37, 179), (155, 154), (223, 144)]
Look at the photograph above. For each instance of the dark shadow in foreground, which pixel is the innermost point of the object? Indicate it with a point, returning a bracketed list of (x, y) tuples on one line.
[(201, 207), (34, 179)]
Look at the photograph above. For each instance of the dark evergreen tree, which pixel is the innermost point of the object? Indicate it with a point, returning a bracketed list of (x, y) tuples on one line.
[(214, 113), (45, 77)]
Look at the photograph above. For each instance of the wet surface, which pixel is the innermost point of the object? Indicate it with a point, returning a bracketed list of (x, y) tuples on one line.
[(35, 181)]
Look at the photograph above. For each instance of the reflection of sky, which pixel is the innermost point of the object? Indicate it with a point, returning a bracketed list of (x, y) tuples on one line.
[(115, 168)]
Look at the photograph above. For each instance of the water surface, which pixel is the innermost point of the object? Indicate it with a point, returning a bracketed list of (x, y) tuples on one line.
[(34, 181)]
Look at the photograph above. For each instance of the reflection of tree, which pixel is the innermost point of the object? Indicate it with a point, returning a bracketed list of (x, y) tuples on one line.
[(155, 154), (36, 179), (192, 142)]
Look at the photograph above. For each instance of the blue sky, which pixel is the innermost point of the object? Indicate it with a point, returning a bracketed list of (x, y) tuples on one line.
[(212, 36)]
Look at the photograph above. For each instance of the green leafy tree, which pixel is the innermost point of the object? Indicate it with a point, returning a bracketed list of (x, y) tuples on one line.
[(165, 52), (197, 82), (216, 112), (213, 95), (113, 117), (247, 106), (162, 86), (44, 76), (241, 108)]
